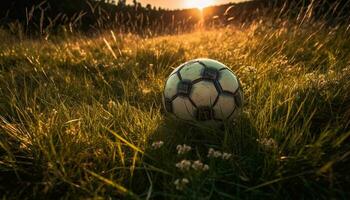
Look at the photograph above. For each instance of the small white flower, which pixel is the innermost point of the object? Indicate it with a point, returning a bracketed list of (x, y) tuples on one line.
[(54, 111), (205, 167), (185, 180), (214, 154), (182, 149), (211, 152), (180, 184), (197, 165), (184, 165), (268, 143), (217, 154), (158, 144), (111, 104), (226, 156)]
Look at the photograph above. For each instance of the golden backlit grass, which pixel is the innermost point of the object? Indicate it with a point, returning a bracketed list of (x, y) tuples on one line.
[(79, 116)]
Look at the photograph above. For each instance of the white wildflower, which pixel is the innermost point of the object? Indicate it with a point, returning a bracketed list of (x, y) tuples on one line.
[(217, 154), (182, 149), (157, 144), (211, 152), (180, 184), (111, 104), (214, 154), (54, 111), (205, 167), (197, 165), (226, 156), (268, 143), (184, 165)]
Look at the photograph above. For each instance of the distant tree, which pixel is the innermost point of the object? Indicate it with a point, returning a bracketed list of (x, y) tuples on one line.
[(121, 3), (148, 7), (137, 5)]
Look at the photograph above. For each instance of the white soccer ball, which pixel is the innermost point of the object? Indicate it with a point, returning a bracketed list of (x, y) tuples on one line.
[(203, 90)]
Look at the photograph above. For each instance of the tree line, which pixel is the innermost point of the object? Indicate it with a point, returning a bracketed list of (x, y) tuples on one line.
[(90, 16)]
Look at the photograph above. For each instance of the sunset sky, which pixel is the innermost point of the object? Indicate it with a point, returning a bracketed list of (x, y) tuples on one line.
[(173, 4)]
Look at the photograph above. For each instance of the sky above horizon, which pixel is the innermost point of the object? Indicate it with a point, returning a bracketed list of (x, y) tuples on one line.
[(179, 4)]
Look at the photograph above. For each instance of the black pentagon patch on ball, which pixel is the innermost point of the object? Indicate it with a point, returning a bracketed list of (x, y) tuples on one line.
[(210, 73), (204, 113), (184, 88), (168, 105), (238, 99)]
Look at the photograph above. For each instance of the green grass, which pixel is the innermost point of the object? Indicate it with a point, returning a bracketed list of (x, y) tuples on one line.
[(79, 116)]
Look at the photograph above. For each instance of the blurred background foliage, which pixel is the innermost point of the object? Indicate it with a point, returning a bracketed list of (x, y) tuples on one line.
[(38, 17)]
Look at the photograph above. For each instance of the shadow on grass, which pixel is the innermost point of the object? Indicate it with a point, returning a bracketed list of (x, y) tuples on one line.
[(224, 178), (254, 171)]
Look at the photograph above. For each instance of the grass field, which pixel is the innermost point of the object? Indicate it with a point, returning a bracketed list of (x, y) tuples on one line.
[(79, 115)]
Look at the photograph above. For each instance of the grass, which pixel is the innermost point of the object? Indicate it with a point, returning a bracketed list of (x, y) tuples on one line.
[(79, 116)]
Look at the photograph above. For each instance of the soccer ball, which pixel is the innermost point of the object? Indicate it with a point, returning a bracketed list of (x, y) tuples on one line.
[(203, 90)]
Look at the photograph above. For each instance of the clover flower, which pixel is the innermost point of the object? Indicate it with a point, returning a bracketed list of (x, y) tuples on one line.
[(180, 184), (182, 149), (205, 167), (218, 154), (214, 154), (184, 165), (199, 166), (268, 143), (157, 144), (226, 156)]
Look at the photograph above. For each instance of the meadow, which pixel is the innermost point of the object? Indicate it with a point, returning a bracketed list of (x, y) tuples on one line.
[(82, 117)]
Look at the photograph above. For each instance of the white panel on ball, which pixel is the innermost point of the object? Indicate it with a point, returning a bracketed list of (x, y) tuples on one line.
[(228, 81), (224, 107), (212, 63), (204, 93), (235, 114), (183, 108), (179, 67), (171, 86), (192, 71), (175, 70)]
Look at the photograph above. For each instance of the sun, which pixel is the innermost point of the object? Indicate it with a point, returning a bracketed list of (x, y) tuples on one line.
[(200, 4)]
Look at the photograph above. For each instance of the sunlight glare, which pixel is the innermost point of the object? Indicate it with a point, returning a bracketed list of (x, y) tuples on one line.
[(200, 4)]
